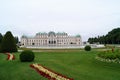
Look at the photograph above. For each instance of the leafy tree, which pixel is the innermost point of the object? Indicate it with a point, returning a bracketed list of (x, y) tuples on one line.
[(113, 37), (16, 40), (0, 40), (8, 43)]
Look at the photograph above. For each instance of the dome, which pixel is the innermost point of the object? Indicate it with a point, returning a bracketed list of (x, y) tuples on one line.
[(51, 33), (41, 33), (78, 35), (24, 36), (61, 33)]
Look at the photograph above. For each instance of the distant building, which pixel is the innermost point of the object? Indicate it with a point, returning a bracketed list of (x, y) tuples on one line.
[(51, 39)]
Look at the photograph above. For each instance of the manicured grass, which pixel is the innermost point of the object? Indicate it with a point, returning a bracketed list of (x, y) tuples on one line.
[(79, 65)]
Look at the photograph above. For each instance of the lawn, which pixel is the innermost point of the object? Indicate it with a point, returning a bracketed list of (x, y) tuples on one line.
[(76, 64)]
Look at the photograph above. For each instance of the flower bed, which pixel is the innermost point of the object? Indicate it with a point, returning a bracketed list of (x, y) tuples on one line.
[(51, 75), (10, 56), (108, 60), (109, 56)]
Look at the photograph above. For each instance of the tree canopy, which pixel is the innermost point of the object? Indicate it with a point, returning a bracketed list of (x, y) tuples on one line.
[(16, 40), (8, 43), (1, 38), (113, 37)]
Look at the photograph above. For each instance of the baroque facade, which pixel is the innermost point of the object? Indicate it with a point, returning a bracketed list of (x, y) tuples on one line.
[(51, 39)]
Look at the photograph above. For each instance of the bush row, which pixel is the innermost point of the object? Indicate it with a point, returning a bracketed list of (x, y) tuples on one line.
[(109, 56), (108, 60)]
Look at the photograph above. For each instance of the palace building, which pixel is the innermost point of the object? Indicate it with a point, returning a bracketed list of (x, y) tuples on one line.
[(51, 39)]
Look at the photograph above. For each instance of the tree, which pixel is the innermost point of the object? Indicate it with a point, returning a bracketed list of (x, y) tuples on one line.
[(8, 43), (0, 40), (113, 37), (16, 40), (91, 40)]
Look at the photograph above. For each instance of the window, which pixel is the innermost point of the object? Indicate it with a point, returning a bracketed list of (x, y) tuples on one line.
[(33, 43)]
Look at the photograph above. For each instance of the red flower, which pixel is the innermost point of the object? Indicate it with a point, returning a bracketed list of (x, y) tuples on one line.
[(10, 56), (51, 75)]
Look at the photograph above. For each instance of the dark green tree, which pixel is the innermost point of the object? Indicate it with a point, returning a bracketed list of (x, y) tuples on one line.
[(113, 37), (0, 40), (8, 43), (16, 40)]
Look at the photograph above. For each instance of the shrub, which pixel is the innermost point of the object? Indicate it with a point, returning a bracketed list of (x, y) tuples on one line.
[(87, 48), (27, 56), (109, 55), (118, 56)]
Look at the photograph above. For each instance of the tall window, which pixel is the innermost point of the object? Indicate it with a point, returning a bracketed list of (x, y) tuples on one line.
[(52, 42), (33, 43)]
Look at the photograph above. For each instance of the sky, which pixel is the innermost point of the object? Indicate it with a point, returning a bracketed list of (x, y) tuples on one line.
[(89, 18)]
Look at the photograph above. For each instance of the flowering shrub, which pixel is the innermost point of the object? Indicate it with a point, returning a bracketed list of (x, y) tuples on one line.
[(108, 60), (10, 56), (48, 73), (109, 56)]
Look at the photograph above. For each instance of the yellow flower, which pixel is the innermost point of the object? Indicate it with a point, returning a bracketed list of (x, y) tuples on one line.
[(50, 73)]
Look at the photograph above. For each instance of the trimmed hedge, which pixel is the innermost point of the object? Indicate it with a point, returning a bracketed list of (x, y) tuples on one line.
[(27, 56), (87, 48)]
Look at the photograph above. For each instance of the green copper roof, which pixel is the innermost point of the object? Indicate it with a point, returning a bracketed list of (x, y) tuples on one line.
[(61, 33), (41, 33), (24, 36), (78, 35)]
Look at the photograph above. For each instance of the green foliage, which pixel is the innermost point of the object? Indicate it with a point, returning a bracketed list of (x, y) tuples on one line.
[(27, 56), (87, 48), (8, 43), (1, 37), (16, 39), (110, 55), (113, 37)]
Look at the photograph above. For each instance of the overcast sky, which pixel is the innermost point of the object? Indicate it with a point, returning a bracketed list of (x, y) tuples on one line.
[(89, 18)]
